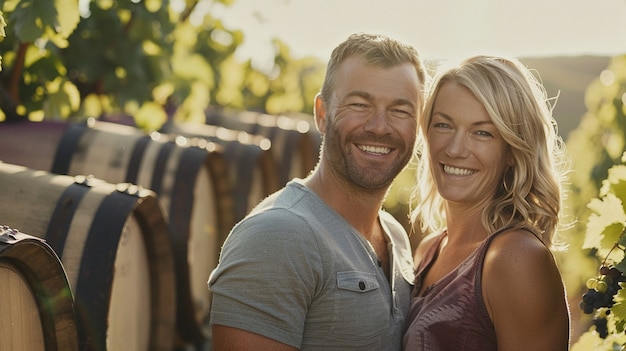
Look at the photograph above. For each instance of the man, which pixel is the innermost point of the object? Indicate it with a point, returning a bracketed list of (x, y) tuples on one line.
[(318, 265)]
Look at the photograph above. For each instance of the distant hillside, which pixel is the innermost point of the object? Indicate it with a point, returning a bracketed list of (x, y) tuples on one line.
[(571, 76)]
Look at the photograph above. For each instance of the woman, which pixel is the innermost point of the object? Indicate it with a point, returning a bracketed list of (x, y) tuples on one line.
[(489, 191)]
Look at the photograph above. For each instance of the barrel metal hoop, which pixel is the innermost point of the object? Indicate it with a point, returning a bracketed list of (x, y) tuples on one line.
[(160, 166), (135, 159), (66, 148), (63, 213)]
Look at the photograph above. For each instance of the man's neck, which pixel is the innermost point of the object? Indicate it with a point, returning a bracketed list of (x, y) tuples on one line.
[(357, 206)]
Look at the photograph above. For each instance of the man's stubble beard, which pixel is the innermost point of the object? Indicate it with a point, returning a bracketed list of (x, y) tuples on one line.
[(342, 163)]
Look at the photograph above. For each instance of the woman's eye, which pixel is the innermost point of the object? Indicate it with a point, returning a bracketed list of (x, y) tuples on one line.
[(484, 133)]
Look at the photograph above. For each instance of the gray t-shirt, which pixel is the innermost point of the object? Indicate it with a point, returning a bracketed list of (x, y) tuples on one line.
[(296, 272)]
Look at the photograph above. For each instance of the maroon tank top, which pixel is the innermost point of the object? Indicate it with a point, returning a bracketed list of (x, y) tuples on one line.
[(451, 314)]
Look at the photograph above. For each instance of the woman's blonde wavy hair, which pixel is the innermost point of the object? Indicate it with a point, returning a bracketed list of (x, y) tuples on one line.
[(531, 191)]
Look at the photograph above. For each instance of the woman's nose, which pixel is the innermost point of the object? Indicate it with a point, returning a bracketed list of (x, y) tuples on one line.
[(457, 146)]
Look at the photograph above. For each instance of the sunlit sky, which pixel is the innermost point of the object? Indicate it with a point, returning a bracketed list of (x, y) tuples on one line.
[(437, 28)]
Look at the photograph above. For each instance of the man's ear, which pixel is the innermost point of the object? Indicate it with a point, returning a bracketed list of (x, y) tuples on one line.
[(319, 110)]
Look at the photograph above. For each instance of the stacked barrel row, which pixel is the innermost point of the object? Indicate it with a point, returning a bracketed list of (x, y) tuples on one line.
[(137, 220)]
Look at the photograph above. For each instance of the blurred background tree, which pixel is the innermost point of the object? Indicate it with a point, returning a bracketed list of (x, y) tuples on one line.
[(152, 60)]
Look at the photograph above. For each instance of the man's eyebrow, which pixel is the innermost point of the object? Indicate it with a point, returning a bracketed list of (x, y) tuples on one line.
[(367, 96), (404, 102), (360, 93)]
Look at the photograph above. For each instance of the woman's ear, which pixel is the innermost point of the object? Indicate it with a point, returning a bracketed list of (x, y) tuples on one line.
[(511, 160), (319, 110)]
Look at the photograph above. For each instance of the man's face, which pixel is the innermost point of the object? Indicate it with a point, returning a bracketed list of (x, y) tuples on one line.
[(370, 124)]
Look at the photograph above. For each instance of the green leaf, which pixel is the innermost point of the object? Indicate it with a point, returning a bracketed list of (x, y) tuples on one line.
[(613, 234), (68, 18), (609, 210), (3, 24), (31, 17), (63, 99), (621, 265), (150, 116), (619, 308), (591, 341), (615, 182), (619, 325)]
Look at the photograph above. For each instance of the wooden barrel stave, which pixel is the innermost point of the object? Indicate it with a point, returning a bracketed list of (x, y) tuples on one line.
[(20, 325), (31, 144), (92, 251), (37, 309)]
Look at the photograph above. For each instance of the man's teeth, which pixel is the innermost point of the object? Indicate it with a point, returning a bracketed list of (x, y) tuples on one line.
[(457, 171), (375, 149)]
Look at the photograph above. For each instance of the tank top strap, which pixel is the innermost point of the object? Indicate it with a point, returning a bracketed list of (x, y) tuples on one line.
[(431, 254), (429, 257), (485, 245), (482, 250), (480, 261)]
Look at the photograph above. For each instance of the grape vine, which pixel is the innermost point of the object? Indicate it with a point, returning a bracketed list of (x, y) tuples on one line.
[(604, 297), (600, 296)]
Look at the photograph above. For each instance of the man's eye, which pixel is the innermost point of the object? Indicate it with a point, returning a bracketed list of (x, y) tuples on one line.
[(358, 105), (401, 113)]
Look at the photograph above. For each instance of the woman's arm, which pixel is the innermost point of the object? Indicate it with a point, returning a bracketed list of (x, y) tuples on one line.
[(524, 294)]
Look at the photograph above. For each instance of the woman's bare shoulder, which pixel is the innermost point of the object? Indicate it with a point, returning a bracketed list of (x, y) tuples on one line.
[(524, 292), (517, 246), (517, 262)]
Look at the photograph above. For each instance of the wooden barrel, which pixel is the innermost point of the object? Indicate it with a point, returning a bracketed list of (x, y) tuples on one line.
[(115, 248), (295, 141), (190, 177), (36, 303), (30, 144), (253, 171)]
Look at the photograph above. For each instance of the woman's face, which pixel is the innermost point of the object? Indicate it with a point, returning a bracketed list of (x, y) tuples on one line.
[(468, 155)]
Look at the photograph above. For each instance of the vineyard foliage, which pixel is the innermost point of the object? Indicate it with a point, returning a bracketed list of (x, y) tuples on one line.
[(605, 231), (150, 59), (599, 181)]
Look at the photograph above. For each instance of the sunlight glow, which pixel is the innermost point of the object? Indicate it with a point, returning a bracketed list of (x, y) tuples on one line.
[(607, 77)]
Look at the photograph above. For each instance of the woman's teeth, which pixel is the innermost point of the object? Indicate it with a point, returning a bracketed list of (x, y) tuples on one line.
[(457, 171)]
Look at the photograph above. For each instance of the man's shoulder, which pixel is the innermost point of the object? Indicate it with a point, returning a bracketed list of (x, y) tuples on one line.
[(286, 197)]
